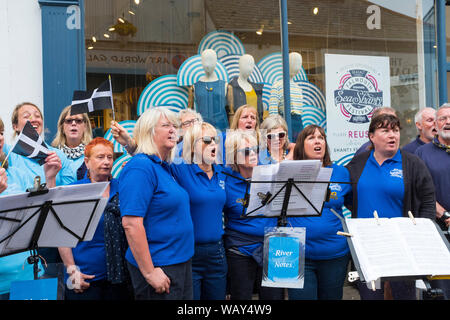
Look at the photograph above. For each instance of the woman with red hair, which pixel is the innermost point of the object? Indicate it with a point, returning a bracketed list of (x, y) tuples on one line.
[(95, 269)]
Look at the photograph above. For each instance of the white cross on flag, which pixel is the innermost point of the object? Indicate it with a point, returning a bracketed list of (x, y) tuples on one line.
[(89, 101), (31, 145)]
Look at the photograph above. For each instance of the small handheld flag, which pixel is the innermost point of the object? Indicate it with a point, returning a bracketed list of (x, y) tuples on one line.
[(30, 144), (89, 101)]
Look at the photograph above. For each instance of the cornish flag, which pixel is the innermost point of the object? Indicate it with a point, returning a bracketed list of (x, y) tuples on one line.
[(30, 144), (89, 101)]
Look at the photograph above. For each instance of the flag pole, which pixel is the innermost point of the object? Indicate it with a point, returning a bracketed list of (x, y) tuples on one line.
[(112, 100), (9, 152)]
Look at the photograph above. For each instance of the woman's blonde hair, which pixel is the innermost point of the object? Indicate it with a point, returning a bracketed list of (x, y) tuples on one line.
[(60, 139), (193, 133), (233, 141), (144, 130), (272, 122)]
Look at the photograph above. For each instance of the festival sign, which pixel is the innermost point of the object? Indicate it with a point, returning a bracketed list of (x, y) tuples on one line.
[(355, 87)]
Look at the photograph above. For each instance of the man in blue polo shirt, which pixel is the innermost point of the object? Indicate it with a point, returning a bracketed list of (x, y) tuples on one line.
[(425, 124), (436, 156)]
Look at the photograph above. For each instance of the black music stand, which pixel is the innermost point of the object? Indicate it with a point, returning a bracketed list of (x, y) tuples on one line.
[(34, 224)]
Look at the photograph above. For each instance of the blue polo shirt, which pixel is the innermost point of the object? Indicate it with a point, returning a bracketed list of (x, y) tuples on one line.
[(381, 188), (322, 242), (90, 256), (31, 167), (147, 189), (235, 191), (438, 163), (206, 197)]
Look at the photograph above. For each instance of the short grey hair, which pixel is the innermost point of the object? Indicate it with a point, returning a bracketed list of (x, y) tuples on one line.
[(272, 122), (186, 111), (418, 116)]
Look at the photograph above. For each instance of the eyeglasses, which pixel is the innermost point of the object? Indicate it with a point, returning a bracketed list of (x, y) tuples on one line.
[(247, 150), (279, 135), (189, 122), (77, 121), (208, 139)]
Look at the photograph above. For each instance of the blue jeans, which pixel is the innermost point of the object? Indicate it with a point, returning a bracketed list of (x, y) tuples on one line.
[(324, 280), (209, 271)]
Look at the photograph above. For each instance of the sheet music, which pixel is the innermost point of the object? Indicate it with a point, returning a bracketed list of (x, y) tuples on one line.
[(299, 170), (396, 247), (75, 216)]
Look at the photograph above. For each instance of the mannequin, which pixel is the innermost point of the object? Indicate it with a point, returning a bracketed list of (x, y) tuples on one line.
[(241, 91), (209, 93), (276, 102)]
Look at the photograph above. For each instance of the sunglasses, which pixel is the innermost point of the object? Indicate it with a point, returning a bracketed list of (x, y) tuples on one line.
[(247, 150), (77, 121), (279, 135), (208, 139)]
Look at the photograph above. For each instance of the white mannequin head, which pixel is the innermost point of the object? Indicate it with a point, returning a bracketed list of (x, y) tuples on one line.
[(246, 66), (295, 63), (209, 61)]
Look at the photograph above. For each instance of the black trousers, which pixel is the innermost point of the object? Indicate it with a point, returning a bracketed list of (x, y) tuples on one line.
[(180, 276)]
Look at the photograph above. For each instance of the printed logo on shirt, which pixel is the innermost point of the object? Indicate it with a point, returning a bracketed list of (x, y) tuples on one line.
[(335, 187), (222, 184), (398, 173)]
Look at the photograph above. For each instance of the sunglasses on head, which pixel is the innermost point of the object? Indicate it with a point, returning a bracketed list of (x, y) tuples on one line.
[(247, 150), (208, 139), (279, 135)]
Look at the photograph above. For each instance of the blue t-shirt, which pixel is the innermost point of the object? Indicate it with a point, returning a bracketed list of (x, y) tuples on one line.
[(32, 168), (381, 188), (322, 242), (207, 198), (235, 190), (438, 163), (90, 256), (147, 189)]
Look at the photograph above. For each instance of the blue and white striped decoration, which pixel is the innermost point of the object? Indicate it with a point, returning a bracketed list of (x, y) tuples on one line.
[(345, 159), (163, 91), (231, 63), (192, 70), (266, 96), (222, 42), (312, 95), (117, 166), (127, 125), (313, 115), (271, 67)]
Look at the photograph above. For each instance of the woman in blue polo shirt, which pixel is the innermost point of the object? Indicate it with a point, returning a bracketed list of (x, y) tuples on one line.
[(205, 183), (244, 237), (392, 183), (95, 270), (156, 214), (326, 254)]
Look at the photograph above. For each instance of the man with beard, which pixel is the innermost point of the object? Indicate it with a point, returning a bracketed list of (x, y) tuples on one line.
[(425, 123), (436, 156)]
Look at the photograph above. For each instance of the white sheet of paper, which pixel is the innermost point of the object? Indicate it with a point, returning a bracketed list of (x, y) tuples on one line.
[(397, 247), (299, 170), (75, 216)]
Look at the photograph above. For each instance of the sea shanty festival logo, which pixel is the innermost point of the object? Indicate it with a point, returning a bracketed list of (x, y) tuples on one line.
[(358, 95)]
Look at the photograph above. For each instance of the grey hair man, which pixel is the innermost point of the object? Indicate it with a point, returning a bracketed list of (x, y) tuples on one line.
[(425, 123)]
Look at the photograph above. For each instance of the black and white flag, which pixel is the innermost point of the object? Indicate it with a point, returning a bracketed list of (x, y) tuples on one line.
[(31, 145), (89, 101)]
